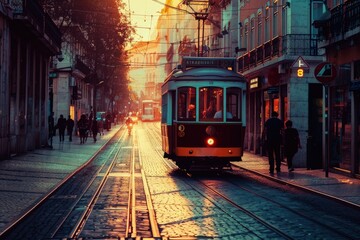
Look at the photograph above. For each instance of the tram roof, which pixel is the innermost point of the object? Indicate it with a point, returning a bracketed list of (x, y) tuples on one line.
[(205, 73)]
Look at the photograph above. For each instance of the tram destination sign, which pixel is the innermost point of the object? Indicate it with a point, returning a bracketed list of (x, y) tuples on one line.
[(227, 63)]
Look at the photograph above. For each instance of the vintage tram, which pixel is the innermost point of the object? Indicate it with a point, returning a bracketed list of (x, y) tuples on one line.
[(150, 110), (204, 113)]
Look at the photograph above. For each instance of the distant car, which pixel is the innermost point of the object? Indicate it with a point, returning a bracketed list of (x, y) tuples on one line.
[(100, 116)]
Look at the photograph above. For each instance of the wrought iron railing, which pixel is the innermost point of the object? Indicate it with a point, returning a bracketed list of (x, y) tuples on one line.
[(344, 17), (291, 44)]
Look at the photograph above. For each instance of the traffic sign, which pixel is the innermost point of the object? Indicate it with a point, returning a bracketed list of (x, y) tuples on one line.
[(325, 72), (300, 63)]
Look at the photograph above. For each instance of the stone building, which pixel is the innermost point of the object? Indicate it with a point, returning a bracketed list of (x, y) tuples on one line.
[(339, 36), (28, 39)]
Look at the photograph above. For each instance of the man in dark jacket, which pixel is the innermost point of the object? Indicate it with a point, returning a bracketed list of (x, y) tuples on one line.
[(272, 132), (70, 127), (61, 125)]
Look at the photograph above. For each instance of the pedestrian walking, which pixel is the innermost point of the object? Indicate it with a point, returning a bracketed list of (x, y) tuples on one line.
[(61, 125), (82, 125), (291, 143), (272, 133), (94, 129), (101, 127), (70, 127), (51, 127)]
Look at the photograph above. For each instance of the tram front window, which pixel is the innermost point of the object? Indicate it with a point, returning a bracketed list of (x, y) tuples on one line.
[(187, 104), (233, 103), (210, 102)]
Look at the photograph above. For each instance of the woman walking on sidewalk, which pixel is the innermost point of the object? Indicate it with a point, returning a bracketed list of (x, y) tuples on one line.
[(83, 126), (94, 129), (291, 143)]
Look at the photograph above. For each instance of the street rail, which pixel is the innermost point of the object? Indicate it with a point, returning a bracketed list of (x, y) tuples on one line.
[(81, 201)]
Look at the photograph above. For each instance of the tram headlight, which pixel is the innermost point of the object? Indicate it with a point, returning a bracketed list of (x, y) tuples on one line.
[(210, 141)]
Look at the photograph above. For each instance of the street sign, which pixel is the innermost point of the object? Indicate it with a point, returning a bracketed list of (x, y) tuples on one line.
[(300, 63), (53, 74), (325, 72)]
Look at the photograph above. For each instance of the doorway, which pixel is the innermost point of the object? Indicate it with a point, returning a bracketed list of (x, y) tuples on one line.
[(314, 139)]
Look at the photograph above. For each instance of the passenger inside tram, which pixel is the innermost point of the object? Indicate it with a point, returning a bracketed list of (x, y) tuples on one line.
[(219, 114), (211, 110)]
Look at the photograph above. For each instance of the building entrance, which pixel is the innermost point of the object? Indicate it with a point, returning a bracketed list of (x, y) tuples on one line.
[(314, 139)]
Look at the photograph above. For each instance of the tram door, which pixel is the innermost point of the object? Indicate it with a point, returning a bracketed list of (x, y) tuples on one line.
[(314, 138)]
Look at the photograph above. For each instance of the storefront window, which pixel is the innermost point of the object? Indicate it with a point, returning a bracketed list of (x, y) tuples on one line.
[(341, 128), (187, 104), (357, 140)]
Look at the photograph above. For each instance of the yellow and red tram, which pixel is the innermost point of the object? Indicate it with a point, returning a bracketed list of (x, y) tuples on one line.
[(204, 113)]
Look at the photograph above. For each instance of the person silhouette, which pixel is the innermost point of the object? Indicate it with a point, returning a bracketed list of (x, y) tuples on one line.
[(272, 134)]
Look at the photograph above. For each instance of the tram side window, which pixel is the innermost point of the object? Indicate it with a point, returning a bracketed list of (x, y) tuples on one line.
[(233, 103), (187, 103), (164, 107), (210, 102)]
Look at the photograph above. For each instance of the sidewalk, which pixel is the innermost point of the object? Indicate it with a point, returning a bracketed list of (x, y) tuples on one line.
[(26, 179), (336, 186)]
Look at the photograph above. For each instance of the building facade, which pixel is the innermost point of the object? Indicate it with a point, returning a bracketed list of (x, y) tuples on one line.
[(339, 35), (71, 84), (279, 53), (28, 40), (279, 45)]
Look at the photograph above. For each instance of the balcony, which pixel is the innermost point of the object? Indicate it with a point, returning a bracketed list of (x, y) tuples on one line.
[(31, 14), (291, 45), (343, 23)]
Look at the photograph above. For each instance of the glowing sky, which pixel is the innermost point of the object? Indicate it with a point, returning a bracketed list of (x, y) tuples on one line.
[(144, 14)]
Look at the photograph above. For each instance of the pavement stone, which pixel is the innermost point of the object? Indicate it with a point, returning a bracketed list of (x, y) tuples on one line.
[(336, 186), (26, 179)]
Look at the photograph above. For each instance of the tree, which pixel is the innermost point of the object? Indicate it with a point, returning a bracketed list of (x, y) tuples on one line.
[(103, 31)]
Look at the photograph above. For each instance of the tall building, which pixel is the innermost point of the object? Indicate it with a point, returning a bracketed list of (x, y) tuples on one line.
[(282, 47), (339, 36), (280, 55), (28, 39)]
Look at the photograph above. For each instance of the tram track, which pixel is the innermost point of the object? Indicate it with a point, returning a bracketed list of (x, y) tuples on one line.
[(266, 208), (85, 215), (7, 231), (152, 133), (273, 205), (307, 216), (82, 199)]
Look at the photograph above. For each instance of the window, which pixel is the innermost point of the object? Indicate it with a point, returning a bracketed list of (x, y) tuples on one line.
[(186, 104), (357, 70), (233, 103), (275, 19), (252, 33), (259, 33), (267, 25), (283, 19), (210, 101), (317, 12), (246, 38)]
